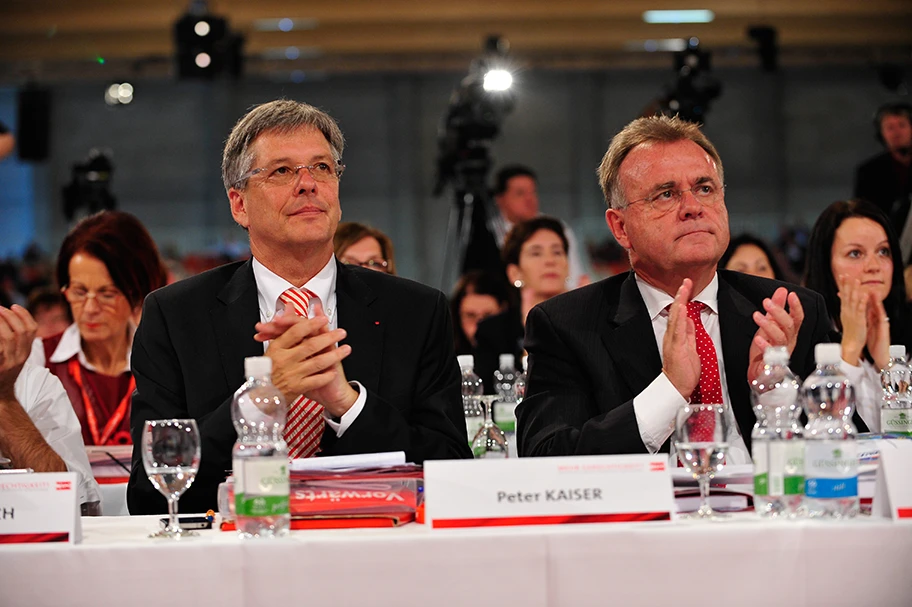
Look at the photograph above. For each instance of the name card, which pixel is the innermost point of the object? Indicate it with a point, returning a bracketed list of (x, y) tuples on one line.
[(39, 508), (893, 487), (547, 490)]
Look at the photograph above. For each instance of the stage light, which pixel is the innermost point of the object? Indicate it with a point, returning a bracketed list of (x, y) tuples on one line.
[(679, 16), (498, 80), (286, 24), (202, 60), (119, 94), (201, 28), (206, 47)]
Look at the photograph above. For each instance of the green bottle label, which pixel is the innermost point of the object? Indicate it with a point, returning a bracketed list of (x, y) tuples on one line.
[(261, 487)]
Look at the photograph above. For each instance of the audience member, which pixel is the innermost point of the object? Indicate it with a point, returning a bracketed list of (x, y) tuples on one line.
[(610, 364), (516, 196), (38, 428), (107, 264), (751, 255), (886, 179), (51, 311), (7, 141), (535, 253), (853, 261), (360, 245), (608, 258), (320, 321), (477, 295)]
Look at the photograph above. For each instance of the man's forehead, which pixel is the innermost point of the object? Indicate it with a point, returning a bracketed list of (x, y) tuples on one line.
[(280, 141), (660, 162)]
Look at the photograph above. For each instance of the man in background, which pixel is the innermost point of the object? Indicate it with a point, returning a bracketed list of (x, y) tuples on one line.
[(886, 179)]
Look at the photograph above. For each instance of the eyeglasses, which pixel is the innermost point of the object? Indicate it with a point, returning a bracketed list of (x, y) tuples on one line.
[(707, 193), (103, 297), (285, 175), (381, 265)]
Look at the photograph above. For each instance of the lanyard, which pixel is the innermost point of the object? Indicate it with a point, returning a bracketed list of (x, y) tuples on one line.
[(76, 373)]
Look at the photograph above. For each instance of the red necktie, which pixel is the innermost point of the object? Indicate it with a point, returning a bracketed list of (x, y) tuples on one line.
[(709, 389), (304, 428)]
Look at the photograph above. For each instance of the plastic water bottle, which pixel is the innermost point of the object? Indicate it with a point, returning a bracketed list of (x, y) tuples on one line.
[(472, 388), (777, 439), (831, 456), (505, 408), (896, 406), (519, 386), (260, 456)]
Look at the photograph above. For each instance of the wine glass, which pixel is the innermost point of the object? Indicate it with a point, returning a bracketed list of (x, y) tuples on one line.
[(701, 441), (490, 441), (171, 457)]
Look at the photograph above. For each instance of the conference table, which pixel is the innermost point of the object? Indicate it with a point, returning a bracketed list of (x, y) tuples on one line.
[(740, 562)]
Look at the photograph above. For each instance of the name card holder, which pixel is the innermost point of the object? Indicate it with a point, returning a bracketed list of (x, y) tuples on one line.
[(893, 487), (39, 507), (548, 491)]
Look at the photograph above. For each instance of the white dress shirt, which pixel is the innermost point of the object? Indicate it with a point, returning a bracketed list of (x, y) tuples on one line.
[(46, 402), (270, 286), (71, 345), (656, 406)]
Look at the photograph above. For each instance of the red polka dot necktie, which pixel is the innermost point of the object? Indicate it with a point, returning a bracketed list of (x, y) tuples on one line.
[(305, 424), (709, 389)]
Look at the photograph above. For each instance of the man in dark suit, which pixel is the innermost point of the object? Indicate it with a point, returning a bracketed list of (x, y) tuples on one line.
[(390, 336), (611, 363)]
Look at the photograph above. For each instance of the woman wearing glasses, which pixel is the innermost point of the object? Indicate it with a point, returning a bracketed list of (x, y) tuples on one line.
[(107, 264), (360, 245)]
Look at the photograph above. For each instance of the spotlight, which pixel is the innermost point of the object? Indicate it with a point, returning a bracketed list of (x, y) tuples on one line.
[(119, 94), (497, 80), (695, 87), (206, 47)]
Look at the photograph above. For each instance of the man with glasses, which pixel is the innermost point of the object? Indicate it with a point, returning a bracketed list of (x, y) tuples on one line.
[(611, 363), (365, 359)]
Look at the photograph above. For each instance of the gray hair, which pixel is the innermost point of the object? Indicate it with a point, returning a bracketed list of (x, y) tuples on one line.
[(652, 129), (280, 116)]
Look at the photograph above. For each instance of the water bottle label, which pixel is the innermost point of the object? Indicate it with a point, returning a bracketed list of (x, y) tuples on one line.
[(261, 486), (473, 425), (760, 455), (831, 469), (505, 416), (896, 421)]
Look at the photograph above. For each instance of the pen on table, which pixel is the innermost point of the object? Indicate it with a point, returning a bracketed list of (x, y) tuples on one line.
[(117, 461)]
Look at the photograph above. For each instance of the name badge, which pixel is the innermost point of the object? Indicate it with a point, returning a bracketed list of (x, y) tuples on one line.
[(547, 490), (39, 507), (893, 487)]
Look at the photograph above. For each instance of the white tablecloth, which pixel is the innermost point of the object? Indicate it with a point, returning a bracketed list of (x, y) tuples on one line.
[(741, 562)]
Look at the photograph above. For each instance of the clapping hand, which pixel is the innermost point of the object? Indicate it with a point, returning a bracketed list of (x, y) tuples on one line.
[(17, 332), (777, 327), (679, 347), (864, 323)]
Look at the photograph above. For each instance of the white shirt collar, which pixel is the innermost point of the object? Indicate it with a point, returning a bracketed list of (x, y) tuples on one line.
[(270, 286), (657, 300), (70, 345)]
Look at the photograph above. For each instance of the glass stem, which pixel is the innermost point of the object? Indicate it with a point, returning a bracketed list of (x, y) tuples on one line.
[(489, 412), (705, 509), (173, 525)]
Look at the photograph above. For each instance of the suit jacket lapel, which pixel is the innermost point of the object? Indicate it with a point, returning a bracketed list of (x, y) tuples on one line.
[(629, 338), (737, 329), (365, 328), (233, 320)]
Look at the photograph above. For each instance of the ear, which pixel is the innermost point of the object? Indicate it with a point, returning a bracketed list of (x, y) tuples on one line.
[(239, 207), (618, 226), (513, 273)]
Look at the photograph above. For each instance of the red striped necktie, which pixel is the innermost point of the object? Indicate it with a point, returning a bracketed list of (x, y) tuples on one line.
[(709, 390), (304, 428)]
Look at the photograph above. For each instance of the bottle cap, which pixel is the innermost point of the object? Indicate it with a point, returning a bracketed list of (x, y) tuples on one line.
[(257, 366), (776, 355), (507, 360), (827, 354), (466, 361), (898, 351)]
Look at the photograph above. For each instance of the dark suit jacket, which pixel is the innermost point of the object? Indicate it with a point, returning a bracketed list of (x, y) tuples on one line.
[(499, 334), (879, 180), (592, 350), (188, 360)]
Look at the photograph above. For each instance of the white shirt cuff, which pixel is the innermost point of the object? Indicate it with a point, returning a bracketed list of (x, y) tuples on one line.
[(655, 409), (853, 373), (352, 414)]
